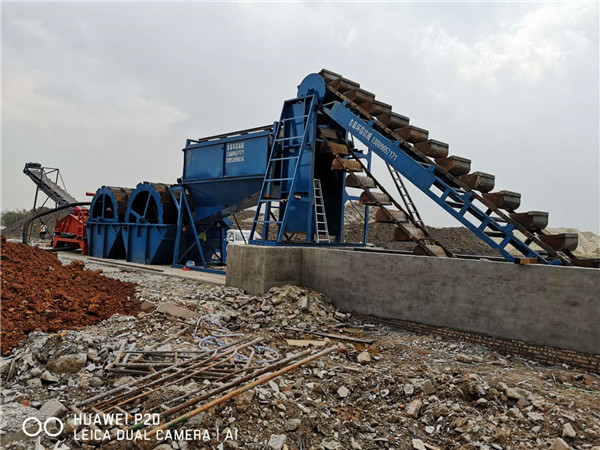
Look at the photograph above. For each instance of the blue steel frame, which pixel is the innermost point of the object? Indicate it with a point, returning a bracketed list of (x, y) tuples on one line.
[(184, 209), (288, 183), (423, 176)]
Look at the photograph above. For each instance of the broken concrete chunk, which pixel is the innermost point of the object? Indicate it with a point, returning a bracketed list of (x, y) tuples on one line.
[(559, 444), (122, 381), (177, 311), (468, 359), (513, 394), (535, 417), (568, 431), (34, 383), (277, 441), (364, 358), (48, 377), (68, 363), (292, 424), (418, 444), (273, 386), (414, 408), (428, 387), (53, 408), (147, 306), (343, 392)]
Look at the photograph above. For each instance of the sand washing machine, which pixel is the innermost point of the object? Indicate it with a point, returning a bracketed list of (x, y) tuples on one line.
[(105, 223), (300, 174), (184, 224), (149, 226)]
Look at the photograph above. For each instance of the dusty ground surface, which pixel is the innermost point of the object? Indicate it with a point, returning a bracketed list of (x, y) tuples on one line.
[(39, 293), (403, 391)]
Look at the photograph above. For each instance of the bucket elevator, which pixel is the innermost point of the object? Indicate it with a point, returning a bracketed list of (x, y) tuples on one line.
[(297, 173)]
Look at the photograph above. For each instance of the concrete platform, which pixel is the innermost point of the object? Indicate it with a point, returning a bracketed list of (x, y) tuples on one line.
[(204, 277), (546, 305)]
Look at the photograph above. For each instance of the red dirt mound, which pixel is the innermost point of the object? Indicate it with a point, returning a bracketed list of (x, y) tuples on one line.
[(40, 294)]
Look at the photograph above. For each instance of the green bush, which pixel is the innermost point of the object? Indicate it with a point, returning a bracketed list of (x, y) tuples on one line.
[(10, 217)]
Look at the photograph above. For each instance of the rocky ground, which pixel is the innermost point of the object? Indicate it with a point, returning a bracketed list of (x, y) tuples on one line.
[(403, 391)]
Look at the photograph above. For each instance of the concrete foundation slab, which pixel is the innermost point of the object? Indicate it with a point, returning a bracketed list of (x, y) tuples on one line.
[(553, 306)]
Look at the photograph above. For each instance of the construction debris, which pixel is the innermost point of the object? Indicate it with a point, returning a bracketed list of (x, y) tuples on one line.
[(413, 391)]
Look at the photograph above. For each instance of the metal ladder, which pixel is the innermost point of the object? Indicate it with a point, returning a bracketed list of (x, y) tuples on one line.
[(320, 216), (411, 208), (278, 185)]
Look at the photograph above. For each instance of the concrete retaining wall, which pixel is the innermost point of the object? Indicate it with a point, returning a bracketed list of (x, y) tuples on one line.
[(553, 306)]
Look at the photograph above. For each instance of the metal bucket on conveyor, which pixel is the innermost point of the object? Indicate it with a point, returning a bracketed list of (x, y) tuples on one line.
[(149, 231), (105, 222)]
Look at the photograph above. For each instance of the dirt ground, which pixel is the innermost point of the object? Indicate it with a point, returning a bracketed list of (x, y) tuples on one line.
[(40, 293)]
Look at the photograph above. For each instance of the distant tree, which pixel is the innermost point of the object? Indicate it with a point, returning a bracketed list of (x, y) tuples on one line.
[(10, 217)]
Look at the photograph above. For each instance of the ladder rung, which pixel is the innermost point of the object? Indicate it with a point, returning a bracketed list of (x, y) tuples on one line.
[(288, 138), (454, 204), (498, 234), (295, 117), (268, 221), (278, 179), (287, 157)]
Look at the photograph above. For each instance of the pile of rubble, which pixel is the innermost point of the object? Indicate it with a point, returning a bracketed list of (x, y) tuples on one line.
[(383, 388)]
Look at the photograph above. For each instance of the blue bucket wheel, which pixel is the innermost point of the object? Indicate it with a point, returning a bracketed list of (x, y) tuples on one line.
[(109, 204), (312, 84), (151, 203)]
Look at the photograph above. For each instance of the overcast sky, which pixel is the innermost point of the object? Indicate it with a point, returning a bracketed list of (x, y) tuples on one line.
[(109, 92)]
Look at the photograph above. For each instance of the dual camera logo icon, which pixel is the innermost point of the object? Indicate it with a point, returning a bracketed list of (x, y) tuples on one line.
[(49, 426)]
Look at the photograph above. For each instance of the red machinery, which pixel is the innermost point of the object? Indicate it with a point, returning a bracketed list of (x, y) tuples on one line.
[(69, 231)]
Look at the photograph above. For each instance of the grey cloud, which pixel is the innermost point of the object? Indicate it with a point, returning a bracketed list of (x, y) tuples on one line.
[(109, 92)]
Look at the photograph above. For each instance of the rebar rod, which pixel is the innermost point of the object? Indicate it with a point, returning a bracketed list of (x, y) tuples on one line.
[(153, 375), (229, 385), (197, 367), (236, 392)]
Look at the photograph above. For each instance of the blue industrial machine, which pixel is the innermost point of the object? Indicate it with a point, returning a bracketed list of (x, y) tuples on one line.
[(149, 229), (105, 223), (222, 175), (297, 173), (328, 113)]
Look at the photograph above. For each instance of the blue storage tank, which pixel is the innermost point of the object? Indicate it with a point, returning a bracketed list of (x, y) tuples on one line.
[(149, 231), (105, 223), (223, 174)]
